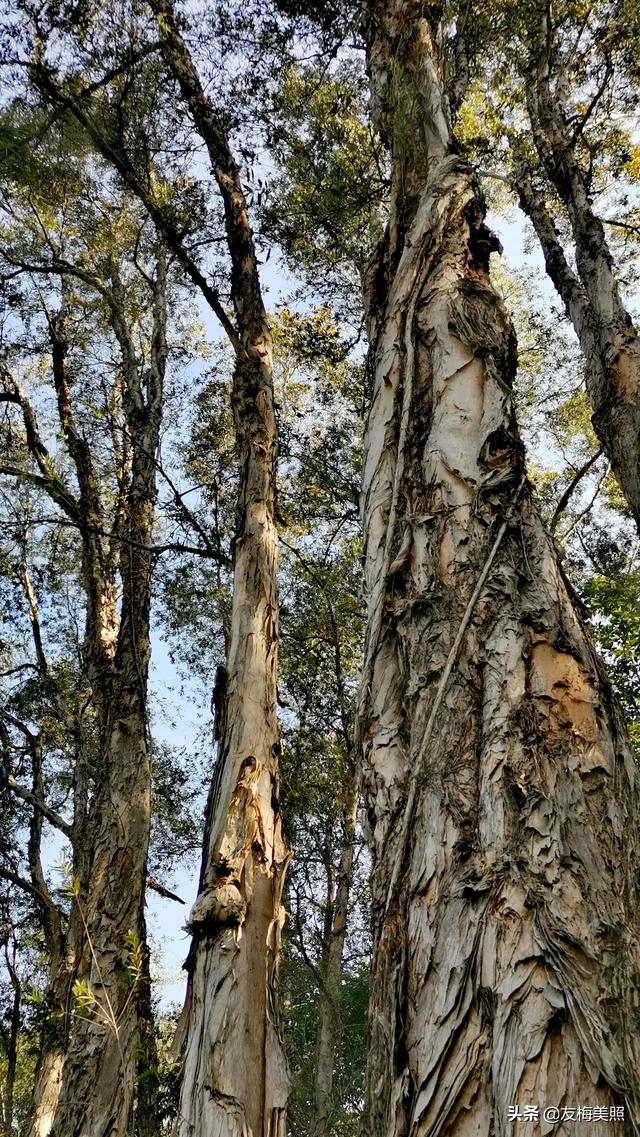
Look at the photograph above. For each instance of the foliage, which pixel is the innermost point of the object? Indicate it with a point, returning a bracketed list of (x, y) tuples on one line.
[(300, 997)]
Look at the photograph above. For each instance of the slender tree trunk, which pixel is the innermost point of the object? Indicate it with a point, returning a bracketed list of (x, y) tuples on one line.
[(500, 785), (235, 1080), (591, 295), (330, 1010), (11, 1054), (145, 1116)]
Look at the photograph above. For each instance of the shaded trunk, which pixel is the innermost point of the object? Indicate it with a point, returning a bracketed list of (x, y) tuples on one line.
[(86, 1073), (146, 1107), (591, 295), (330, 1010), (11, 1034), (500, 785)]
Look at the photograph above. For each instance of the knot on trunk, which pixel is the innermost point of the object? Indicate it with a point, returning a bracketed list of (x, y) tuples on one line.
[(219, 906)]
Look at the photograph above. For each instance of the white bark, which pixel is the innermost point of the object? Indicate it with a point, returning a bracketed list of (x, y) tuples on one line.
[(501, 789), (235, 1079)]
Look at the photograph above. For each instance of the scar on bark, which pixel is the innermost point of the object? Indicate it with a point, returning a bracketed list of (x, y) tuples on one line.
[(624, 374), (559, 678), (219, 702)]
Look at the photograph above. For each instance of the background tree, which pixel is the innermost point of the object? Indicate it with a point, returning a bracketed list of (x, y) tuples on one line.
[(549, 110), (82, 458)]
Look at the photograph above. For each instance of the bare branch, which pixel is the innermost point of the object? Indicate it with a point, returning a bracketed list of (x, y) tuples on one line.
[(573, 484), (52, 817), (155, 886)]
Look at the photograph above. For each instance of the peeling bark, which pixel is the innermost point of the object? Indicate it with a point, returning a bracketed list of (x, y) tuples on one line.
[(499, 782), (235, 1079)]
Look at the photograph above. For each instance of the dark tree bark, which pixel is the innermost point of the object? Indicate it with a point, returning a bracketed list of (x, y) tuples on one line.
[(9, 1036), (330, 1014), (85, 1076)]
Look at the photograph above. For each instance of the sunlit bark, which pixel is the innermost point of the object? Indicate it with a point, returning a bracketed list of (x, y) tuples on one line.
[(500, 785), (235, 1080)]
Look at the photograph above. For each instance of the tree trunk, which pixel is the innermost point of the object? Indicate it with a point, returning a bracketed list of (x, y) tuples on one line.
[(330, 1011), (605, 329), (11, 1035), (235, 1080), (500, 785), (146, 1107)]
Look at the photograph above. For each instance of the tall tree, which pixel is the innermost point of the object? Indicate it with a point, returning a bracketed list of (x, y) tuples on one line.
[(235, 1076), (85, 1075), (235, 1079), (321, 401), (501, 788)]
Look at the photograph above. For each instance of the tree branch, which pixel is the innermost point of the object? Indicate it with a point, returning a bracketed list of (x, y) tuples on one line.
[(44, 80), (573, 484), (51, 816)]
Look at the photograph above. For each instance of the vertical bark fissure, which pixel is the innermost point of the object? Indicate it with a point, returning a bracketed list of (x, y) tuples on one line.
[(506, 963)]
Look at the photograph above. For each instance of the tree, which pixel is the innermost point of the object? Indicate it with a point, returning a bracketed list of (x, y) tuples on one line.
[(320, 397), (591, 294), (235, 1078), (557, 85), (500, 785), (236, 920), (95, 713)]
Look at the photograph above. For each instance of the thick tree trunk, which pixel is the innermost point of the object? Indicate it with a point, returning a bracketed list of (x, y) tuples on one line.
[(500, 785), (330, 1010), (605, 330)]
